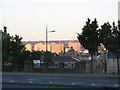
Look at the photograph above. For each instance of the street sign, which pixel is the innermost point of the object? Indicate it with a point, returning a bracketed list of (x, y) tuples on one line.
[(36, 63)]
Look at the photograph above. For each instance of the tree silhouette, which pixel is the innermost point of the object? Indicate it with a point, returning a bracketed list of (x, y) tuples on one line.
[(110, 37), (105, 34), (12, 47), (114, 43), (89, 38)]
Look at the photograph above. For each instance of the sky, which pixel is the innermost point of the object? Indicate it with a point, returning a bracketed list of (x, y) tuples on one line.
[(29, 18)]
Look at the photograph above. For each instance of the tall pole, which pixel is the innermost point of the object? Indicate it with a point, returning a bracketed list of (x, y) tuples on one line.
[(105, 61), (46, 39)]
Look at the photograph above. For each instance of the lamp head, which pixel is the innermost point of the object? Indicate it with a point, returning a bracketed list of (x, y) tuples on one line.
[(52, 31)]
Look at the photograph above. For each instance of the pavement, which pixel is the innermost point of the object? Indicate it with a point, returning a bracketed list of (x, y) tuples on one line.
[(64, 74), (62, 79)]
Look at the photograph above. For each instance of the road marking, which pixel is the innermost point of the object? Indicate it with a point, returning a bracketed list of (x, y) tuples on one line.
[(11, 81), (50, 82), (116, 85), (30, 81), (73, 83), (92, 84)]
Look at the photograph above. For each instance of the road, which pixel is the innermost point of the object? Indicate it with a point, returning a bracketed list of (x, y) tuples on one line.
[(31, 87), (35, 80)]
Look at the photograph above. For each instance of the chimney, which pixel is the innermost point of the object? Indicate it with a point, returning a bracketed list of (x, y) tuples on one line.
[(5, 29)]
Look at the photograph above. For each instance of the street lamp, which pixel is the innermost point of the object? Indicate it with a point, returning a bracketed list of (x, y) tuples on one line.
[(47, 37)]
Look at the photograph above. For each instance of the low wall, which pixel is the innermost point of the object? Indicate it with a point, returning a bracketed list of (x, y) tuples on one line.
[(112, 66), (80, 67)]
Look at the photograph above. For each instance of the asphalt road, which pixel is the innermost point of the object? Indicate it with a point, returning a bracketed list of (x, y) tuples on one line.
[(56, 81), (31, 87), (28, 86)]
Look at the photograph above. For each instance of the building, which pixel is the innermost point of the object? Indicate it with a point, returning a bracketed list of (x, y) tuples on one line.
[(4, 33), (75, 45), (57, 48), (69, 62), (54, 46), (28, 47), (41, 46)]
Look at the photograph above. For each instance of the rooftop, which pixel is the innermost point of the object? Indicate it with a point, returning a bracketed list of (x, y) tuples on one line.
[(64, 59)]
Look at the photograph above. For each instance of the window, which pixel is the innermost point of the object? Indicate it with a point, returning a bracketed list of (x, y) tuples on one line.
[(69, 65), (53, 65)]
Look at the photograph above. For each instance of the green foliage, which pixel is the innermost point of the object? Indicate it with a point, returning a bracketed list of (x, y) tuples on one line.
[(16, 45), (11, 49), (48, 56), (105, 34), (35, 55), (114, 41), (6, 49), (22, 57), (109, 35), (89, 36), (13, 52)]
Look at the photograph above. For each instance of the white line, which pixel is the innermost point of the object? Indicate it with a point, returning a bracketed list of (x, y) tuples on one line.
[(76, 59), (30, 81), (116, 85), (50, 82), (92, 84), (73, 83), (11, 81)]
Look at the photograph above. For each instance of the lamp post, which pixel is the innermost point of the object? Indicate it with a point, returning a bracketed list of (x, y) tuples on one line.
[(47, 37)]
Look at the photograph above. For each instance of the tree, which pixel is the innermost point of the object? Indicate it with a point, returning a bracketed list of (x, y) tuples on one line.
[(105, 34), (89, 38), (104, 37), (110, 37), (34, 55), (12, 47), (48, 56), (16, 47), (114, 45), (6, 49)]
